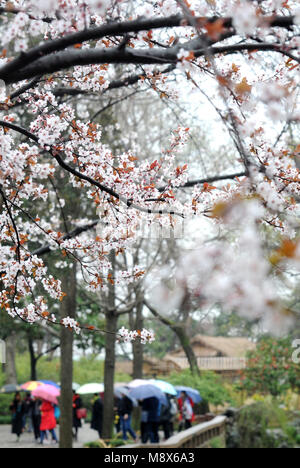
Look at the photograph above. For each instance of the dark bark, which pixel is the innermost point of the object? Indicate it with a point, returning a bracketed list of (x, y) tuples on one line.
[(188, 349), (183, 337), (109, 374), (111, 317), (33, 360), (68, 309), (137, 347), (10, 365), (112, 29)]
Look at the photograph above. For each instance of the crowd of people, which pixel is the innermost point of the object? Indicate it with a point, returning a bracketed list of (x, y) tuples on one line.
[(40, 417), (153, 416)]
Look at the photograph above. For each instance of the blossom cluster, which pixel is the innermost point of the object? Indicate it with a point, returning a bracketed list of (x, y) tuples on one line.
[(145, 336)]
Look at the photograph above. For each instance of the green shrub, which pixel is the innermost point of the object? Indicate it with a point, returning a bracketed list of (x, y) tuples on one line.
[(264, 425), (210, 386), (100, 444), (216, 443), (5, 420), (5, 401)]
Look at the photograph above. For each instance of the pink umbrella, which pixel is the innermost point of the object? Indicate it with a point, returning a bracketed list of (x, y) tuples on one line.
[(47, 392)]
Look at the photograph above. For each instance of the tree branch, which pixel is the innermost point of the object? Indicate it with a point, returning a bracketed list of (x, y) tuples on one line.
[(156, 56), (118, 29)]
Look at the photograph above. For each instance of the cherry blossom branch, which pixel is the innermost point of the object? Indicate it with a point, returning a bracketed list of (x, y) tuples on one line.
[(74, 172), (210, 180), (155, 56), (119, 29)]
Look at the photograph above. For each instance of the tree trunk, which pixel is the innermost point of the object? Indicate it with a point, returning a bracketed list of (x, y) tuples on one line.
[(137, 347), (182, 336), (109, 374), (68, 309), (33, 361), (110, 355), (188, 349), (10, 365)]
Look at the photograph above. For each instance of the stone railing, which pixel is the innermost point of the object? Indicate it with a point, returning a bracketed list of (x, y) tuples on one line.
[(196, 437)]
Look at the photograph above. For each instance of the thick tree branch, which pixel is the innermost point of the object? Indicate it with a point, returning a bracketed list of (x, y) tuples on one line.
[(155, 56), (117, 29)]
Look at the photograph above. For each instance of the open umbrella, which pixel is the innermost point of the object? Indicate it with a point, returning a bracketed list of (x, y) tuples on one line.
[(11, 388), (32, 385), (165, 387), (137, 383), (90, 389), (143, 392), (47, 392), (75, 386), (120, 390), (191, 393), (49, 382)]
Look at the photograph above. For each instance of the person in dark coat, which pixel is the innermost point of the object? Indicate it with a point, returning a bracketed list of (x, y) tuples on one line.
[(28, 412), (125, 410), (18, 411), (36, 417), (165, 418), (150, 420), (77, 404), (97, 416)]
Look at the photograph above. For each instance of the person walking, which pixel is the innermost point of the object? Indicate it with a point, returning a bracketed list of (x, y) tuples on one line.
[(186, 411), (77, 404), (125, 411), (36, 417), (150, 420), (174, 414), (17, 409), (48, 421), (28, 413), (165, 418), (97, 416)]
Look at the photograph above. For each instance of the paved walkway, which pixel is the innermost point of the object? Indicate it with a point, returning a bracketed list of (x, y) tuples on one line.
[(8, 440)]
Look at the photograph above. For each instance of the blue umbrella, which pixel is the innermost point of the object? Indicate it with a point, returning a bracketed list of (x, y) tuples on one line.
[(121, 390), (49, 382), (165, 387), (191, 392), (148, 391)]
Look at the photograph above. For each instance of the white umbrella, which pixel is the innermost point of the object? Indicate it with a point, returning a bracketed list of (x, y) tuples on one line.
[(90, 389), (137, 383), (165, 387)]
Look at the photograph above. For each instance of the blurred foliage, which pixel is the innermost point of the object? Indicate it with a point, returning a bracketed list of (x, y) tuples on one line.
[(210, 386), (263, 425), (271, 369), (217, 443), (86, 369)]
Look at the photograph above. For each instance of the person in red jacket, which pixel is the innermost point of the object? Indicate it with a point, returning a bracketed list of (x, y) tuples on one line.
[(48, 421)]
